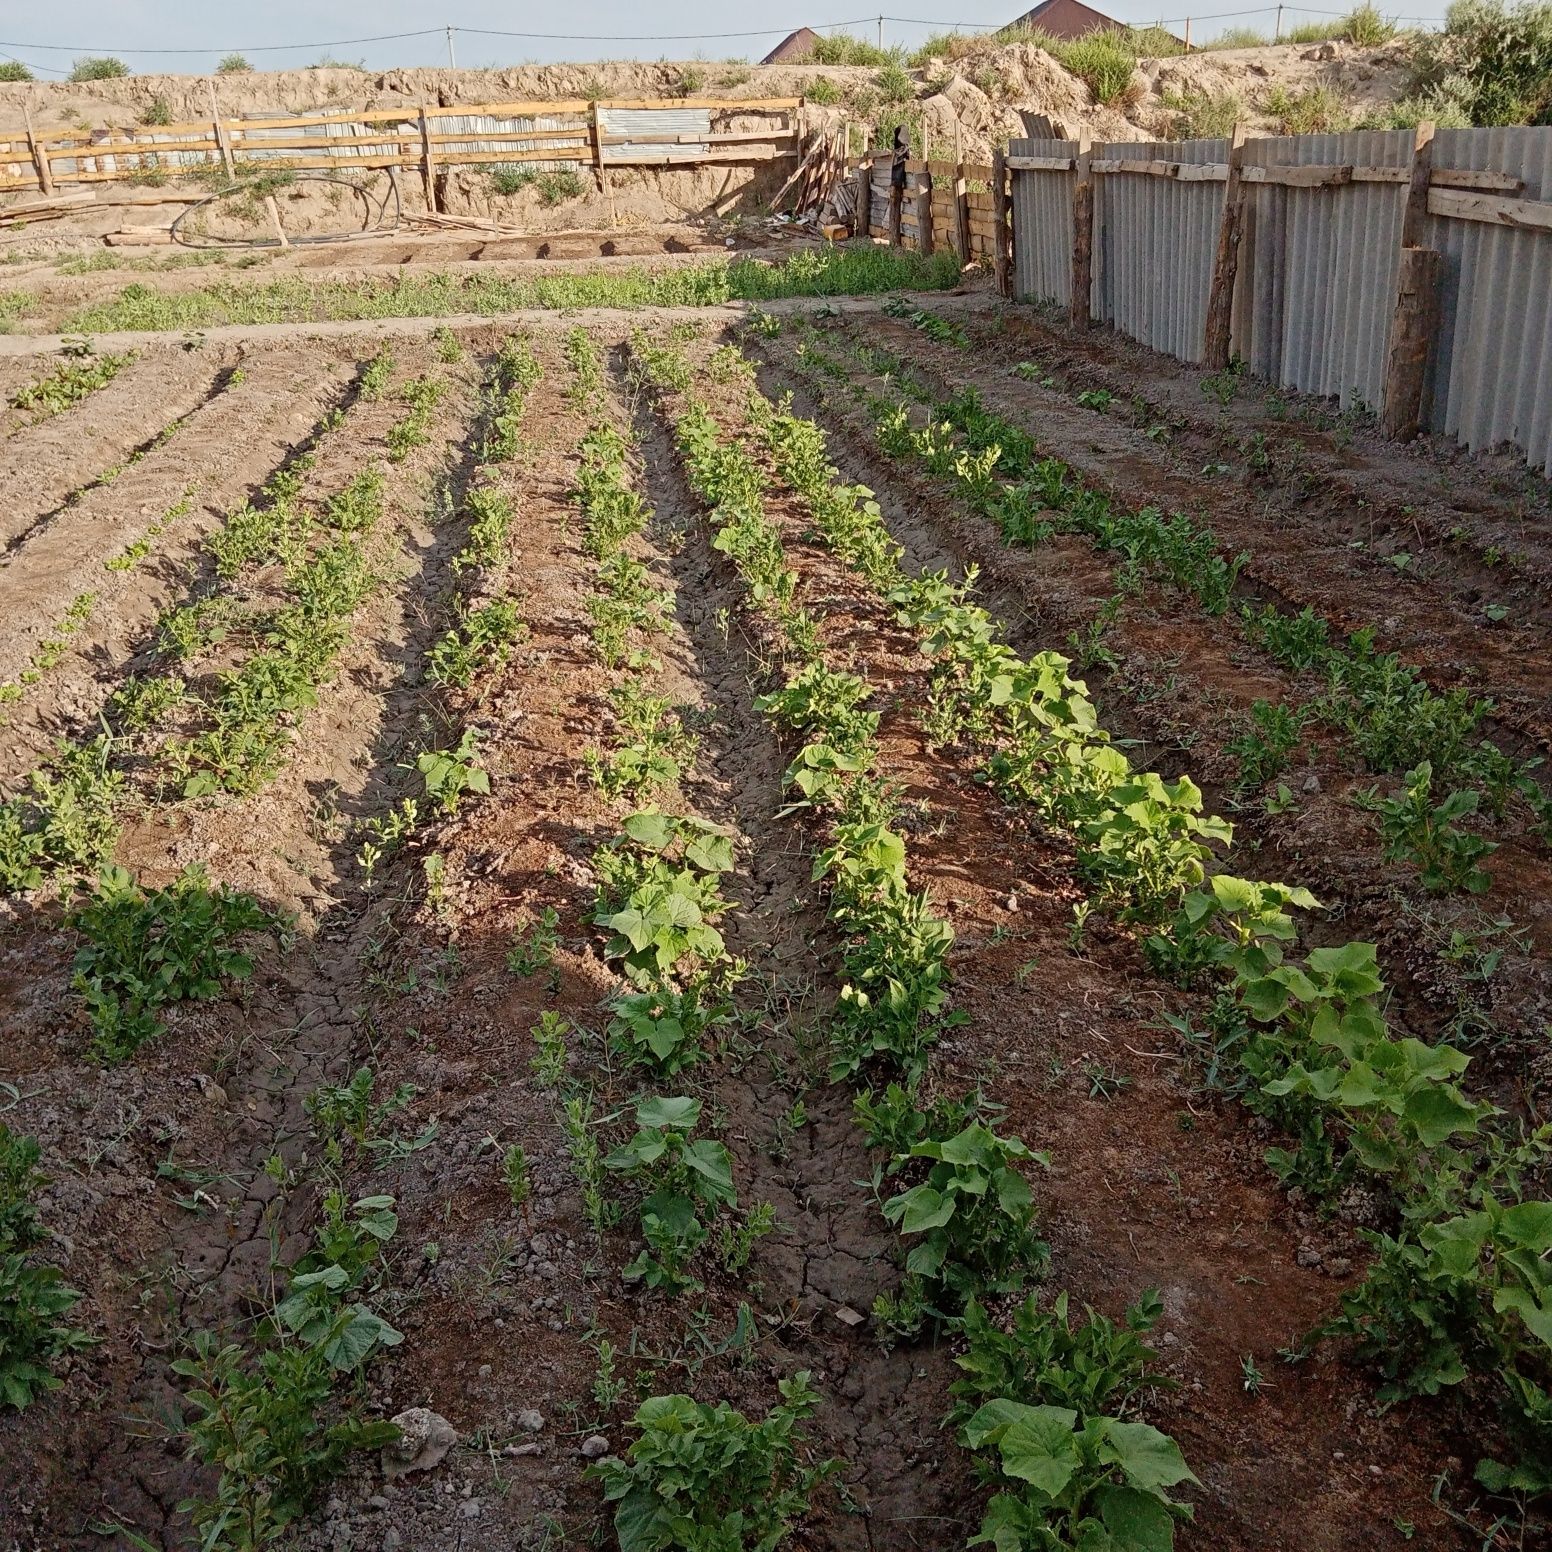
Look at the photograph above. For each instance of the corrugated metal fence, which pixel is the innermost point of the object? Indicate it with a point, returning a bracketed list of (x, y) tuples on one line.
[(1317, 267)]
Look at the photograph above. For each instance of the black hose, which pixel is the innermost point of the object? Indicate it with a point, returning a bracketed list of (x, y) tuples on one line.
[(375, 224)]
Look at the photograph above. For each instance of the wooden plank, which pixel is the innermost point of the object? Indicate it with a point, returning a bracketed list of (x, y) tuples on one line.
[(735, 159), (1412, 329), (734, 138), (217, 130), (1040, 164), (961, 216), (721, 104), (1315, 176), (1184, 172), (896, 201), (450, 137), (924, 209), (1082, 235), (1231, 232), (1461, 205), (1002, 237)]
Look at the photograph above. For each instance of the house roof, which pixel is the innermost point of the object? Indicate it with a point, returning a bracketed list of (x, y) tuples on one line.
[(794, 48), (1066, 19)]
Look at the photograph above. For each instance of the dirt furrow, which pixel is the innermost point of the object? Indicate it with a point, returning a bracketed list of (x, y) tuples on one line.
[(53, 462), (1297, 557)]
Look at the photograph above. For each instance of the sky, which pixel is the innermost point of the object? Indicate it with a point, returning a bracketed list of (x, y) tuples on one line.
[(290, 33)]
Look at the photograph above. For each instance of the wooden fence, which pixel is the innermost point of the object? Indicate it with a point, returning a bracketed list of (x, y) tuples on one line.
[(598, 135), (959, 206)]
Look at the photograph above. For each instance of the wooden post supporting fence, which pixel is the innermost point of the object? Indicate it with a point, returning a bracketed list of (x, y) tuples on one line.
[(39, 156), (896, 199), (924, 209), (219, 130), (1415, 314), (427, 168), (863, 227), (1231, 232), (961, 215), (1002, 241), (1082, 234)]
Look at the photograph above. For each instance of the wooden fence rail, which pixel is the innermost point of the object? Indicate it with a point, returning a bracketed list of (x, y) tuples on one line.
[(600, 135)]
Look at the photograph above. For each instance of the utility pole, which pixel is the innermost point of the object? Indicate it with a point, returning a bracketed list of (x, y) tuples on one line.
[(881, 32), (452, 64), (1277, 37)]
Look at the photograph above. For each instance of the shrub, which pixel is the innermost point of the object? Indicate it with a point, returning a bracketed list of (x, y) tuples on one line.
[(102, 67), (553, 187), (233, 64), (843, 48), (1364, 25), (1103, 61), (510, 177), (1313, 32), (822, 90), (1200, 115), (14, 70), (894, 85), (1318, 110), (159, 112), (1239, 38), (1155, 43), (691, 80), (1491, 61)]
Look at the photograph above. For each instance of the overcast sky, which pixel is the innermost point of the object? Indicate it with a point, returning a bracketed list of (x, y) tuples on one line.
[(298, 32)]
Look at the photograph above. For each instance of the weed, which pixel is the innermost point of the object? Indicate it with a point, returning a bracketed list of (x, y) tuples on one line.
[(549, 1061), (535, 951), (479, 643), (450, 773), (68, 384), (1419, 831), (514, 1175), (1266, 743)]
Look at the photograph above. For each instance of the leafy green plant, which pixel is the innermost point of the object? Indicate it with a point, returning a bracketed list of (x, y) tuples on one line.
[(683, 1179), (479, 642), (68, 384), (34, 1299), (1069, 1482), (973, 1213), (98, 67), (146, 949), (1099, 1368), (1422, 832), (664, 1029), (450, 773), (64, 818), (233, 64), (514, 1174), (660, 896), (1270, 734), (535, 951), (705, 1479)]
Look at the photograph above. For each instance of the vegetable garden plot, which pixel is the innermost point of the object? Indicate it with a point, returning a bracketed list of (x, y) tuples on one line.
[(679, 960)]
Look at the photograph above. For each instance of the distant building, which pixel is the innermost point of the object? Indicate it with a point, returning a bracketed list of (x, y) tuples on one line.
[(1065, 19), (794, 48)]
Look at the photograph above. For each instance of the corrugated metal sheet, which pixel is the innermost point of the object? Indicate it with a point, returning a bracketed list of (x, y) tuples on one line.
[(1318, 272), (1042, 225), (1136, 219), (656, 121)]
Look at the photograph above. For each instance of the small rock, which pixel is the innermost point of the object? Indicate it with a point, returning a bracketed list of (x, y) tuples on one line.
[(378, 1500), (1339, 1266), (1312, 783), (1307, 1255), (424, 1439), (470, 1508), (390, 1540), (595, 1446), (848, 1316), (530, 1421), (485, 1371)]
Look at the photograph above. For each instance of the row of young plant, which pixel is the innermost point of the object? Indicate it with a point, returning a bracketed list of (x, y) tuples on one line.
[(279, 1414), (1462, 1286), (693, 1469), (1047, 1408), (1389, 716), (62, 821)]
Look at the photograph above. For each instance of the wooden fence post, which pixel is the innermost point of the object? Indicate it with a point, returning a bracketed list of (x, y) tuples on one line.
[(1231, 231), (863, 225), (40, 159), (427, 169), (1411, 332), (896, 199), (1082, 234), (961, 215), (1415, 314), (924, 209), (1002, 242), (220, 131)]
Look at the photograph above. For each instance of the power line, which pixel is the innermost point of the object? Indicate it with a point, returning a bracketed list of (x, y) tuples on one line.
[(615, 37)]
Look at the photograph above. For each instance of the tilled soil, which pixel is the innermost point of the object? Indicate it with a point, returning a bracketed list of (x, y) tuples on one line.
[(186, 1180)]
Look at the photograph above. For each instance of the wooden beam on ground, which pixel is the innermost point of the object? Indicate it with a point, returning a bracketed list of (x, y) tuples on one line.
[(1002, 241), (1231, 232), (1082, 234), (1412, 328)]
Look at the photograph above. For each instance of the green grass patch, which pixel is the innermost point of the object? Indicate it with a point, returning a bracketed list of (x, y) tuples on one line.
[(842, 271)]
